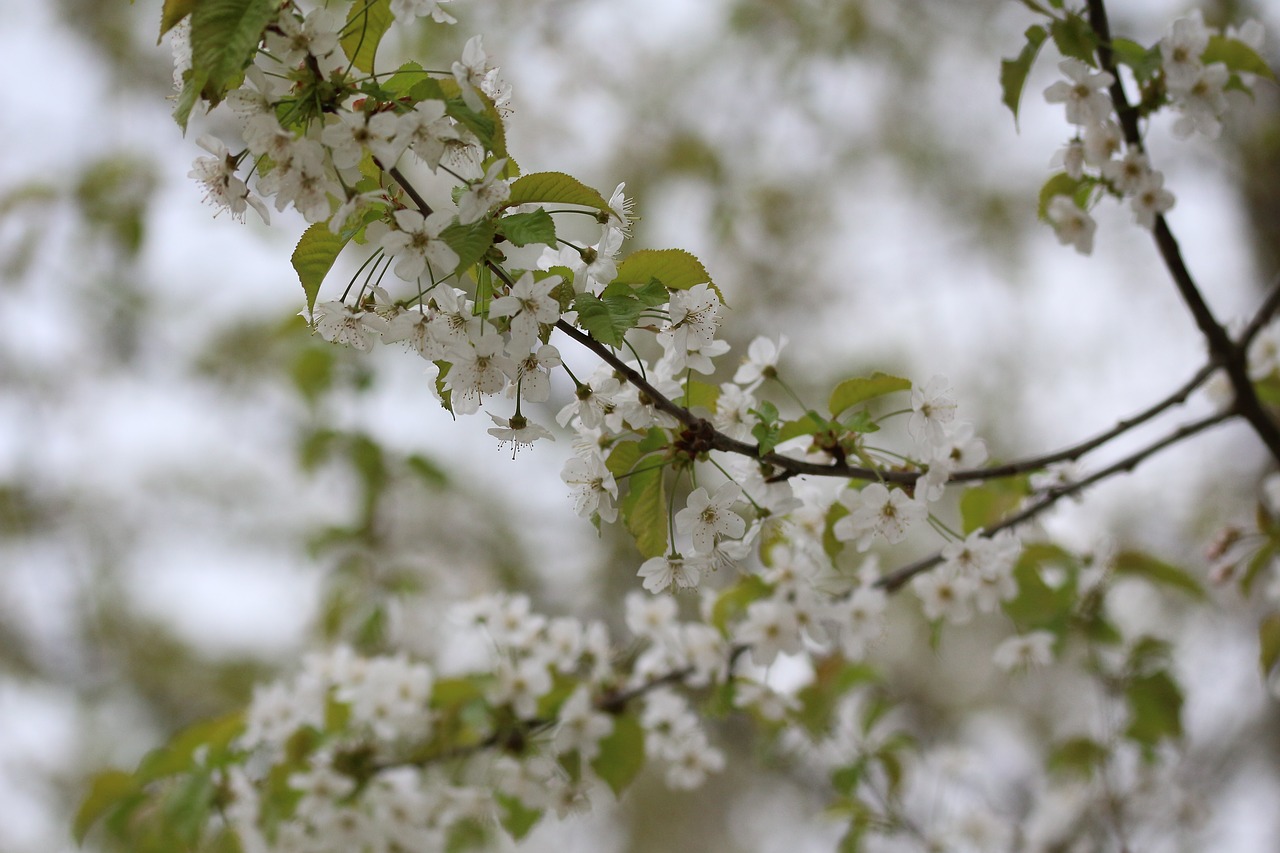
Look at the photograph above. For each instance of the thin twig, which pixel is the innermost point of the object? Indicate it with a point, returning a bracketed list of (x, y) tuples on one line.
[(894, 580)]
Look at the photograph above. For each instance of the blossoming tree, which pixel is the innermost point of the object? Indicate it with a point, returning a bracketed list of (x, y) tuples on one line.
[(752, 511)]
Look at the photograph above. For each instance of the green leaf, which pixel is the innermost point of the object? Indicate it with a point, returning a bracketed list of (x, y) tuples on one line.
[(700, 395), (314, 257), (986, 504), (645, 510), (411, 80), (1013, 72), (650, 294), (1075, 38), (1257, 563), (676, 269), (1155, 706), (1237, 56), (621, 754), (1144, 565), (810, 424), (107, 790), (554, 188), (1078, 756), (1144, 62), (732, 602), (225, 36), (172, 14), (623, 457), (192, 85), (516, 817), (469, 242), (366, 24), (1038, 606), (851, 392), (523, 229), (1269, 643), (211, 737), (1063, 184), (608, 321)]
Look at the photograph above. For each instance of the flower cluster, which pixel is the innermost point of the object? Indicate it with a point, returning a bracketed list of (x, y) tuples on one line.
[(1172, 73)]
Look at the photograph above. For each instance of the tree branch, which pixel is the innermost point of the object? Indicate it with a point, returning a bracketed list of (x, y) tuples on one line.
[(1224, 352), (895, 579)]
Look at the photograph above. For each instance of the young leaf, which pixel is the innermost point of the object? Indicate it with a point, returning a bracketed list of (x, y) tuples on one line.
[(645, 510), (608, 320), (621, 754), (522, 229), (172, 14), (851, 392), (1144, 565), (366, 24), (517, 818), (1237, 56), (987, 504), (1064, 184), (676, 269), (107, 790), (1075, 38), (469, 242), (225, 36), (1155, 706), (1144, 62), (1079, 756), (1013, 72), (554, 188), (314, 257)]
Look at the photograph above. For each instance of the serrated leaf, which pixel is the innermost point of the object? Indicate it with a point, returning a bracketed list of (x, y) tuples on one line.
[(621, 754), (225, 36), (411, 80), (851, 392), (1269, 643), (644, 509), (1155, 709), (554, 188), (650, 294), (366, 24), (523, 229), (172, 14), (314, 256), (1139, 564), (675, 269), (469, 242), (608, 320), (1078, 756), (1075, 38), (1237, 56), (107, 790), (1013, 72)]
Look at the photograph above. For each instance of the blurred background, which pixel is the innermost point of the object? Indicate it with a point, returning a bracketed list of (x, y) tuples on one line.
[(194, 490)]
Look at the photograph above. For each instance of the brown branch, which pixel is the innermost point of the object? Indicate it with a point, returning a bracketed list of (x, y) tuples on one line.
[(895, 579), (1224, 352), (1261, 317)]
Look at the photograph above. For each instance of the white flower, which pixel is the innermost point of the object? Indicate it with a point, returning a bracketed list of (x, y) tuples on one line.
[(1084, 97), (427, 131), (706, 517), (339, 323), (877, 510), (770, 628), (650, 617), (529, 305), (533, 374), (582, 727), (861, 619), (1150, 199), (1073, 226), (484, 195), (470, 72), (932, 410), (478, 368), (1102, 141), (222, 186), (1202, 103), (1181, 49), (620, 211), (733, 411), (672, 570), (406, 11), (1070, 159), (521, 685), (1127, 173), (944, 595), (416, 242), (349, 133), (1264, 354), (761, 362), (1034, 649), (592, 485), (518, 430), (316, 35)]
